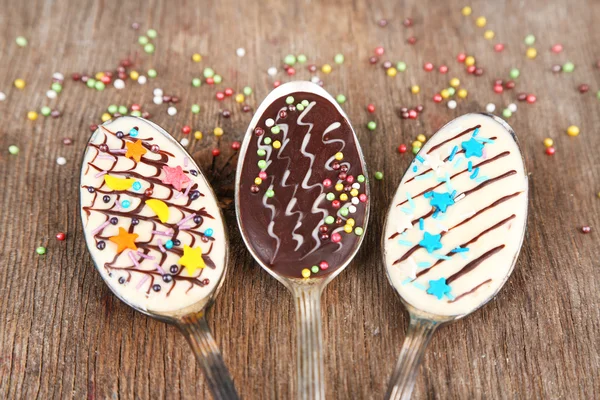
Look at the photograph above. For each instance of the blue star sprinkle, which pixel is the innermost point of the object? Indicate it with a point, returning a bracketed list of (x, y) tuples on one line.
[(440, 201), (439, 288), (431, 242), (472, 148)]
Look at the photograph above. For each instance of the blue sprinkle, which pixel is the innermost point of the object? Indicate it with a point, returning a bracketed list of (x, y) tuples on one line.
[(418, 157), (453, 194), (169, 244), (415, 168), (475, 173), (440, 256), (421, 224), (476, 132), (405, 242), (423, 177), (419, 285), (428, 195), (407, 280), (209, 232), (441, 217), (423, 264), (125, 203), (481, 179), (454, 150), (484, 140), (410, 201), (458, 162), (470, 166), (137, 185), (460, 250), (450, 296), (436, 212), (406, 210), (133, 132)]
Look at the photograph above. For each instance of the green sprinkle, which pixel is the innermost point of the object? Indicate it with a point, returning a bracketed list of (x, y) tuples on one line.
[(339, 58), (21, 41), (275, 129), (514, 73), (152, 73), (415, 150), (329, 219), (12, 149), (261, 152), (301, 58), (529, 40), (379, 175), (289, 59), (90, 82), (372, 125), (151, 33), (360, 178), (99, 85), (299, 107), (122, 110), (314, 269), (340, 98), (136, 113), (359, 231), (344, 212), (149, 48), (247, 90), (57, 87), (45, 111), (270, 193), (196, 82), (208, 72), (41, 250), (401, 66), (451, 91), (195, 108), (262, 164), (506, 113), (289, 100), (113, 108), (330, 197), (217, 79), (143, 40), (305, 103), (568, 67), (598, 94), (267, 140)]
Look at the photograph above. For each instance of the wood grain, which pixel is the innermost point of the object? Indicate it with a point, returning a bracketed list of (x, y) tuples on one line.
[(62, 333)]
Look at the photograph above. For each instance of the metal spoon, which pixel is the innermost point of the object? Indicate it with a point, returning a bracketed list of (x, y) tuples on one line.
[(127, 188), (286, 168), (475, 168)]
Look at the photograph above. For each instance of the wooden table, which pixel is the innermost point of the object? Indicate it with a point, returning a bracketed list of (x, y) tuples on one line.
[(64, 335)]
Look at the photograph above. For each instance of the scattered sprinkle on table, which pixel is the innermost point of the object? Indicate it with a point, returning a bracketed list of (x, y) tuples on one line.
[(379, 175), (41, 250), (13, 149), (21, 41), (573, 130)]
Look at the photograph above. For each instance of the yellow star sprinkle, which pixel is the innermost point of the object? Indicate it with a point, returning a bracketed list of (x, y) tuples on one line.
[(135, 150), (192, 259)]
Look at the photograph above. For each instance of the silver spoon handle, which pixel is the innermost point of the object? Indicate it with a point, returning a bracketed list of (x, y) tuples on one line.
[(196, 331), (311, 384), (404, 376)]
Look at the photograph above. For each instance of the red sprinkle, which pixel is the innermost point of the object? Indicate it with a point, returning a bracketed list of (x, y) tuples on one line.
[(379, 50), (210, 81), (557, 48), (362, 197), (402, 148), (327, 182), (262, 175), (550, 151), (61, 236), (220, 96), (371, 108), (498, 47), (336, 204), (229, 92), (276, 84), (412, 114), (531, 98), (236, 145), (583, 88), (498, 88), (411, 40), (443, 69), (407, 22), (428, 67), (336, 237), (586, 229), (471, 69), (461, 57), (186, 129), (291, 71), (216, 152), (437, 98), (135, 107), (323, 265)]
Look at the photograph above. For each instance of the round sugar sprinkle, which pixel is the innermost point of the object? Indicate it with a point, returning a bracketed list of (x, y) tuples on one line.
[(452, 104), (512, 107), (2, 96), (12, 149), (272, 71), (490, 107), (61, 161), (240, 52), (171, 111), (21, 41)]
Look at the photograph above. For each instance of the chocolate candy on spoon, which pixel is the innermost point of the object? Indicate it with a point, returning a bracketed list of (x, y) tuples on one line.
[(155, 233), (454, 230), (302, 202)]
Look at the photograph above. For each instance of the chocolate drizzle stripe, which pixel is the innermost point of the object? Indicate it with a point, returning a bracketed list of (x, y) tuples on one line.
[(452, 138), (460, 296), (489, 182), (473, 264)]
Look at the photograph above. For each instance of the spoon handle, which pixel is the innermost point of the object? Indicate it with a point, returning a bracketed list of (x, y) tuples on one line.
[(404, 376), (311, 385), (196, 331)]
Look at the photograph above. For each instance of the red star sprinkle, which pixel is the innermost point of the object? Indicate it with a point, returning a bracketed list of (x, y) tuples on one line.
[(175, 177)]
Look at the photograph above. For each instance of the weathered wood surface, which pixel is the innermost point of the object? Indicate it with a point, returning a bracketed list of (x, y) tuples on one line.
[(64, 335)]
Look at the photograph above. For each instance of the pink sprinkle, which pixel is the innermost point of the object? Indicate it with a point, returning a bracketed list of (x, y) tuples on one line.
[(179, 194), (144, 279), (161, 233), (162, 271), (336, 237), (146, 256), (106, 156), (185, 162), (184, 227), (117, 205), (187, 190), (118, 151), (135, 262), (99, 174), (183, 221), (99, 229), (160, 246)]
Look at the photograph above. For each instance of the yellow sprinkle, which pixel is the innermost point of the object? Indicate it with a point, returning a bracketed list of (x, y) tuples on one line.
[(417, 144), (466, 11), (276, 144), (354, 192), (343, 197), (106, 117), (347, 228), (421, 138), (454, 82), (531, 53), (445, 93), (134, 75), (19, 83), (306, 273), (350, 221), (548, 142), (480, 22), (391, 71), (99, 75), (415, 89), (339, 187), (339, 156), (239, 98), (32, 115), (573, 130), (198, 135), (218, 131), (196, 57), (462, 93), (257, 181), (469, 61), (326, 68), (489, 35)]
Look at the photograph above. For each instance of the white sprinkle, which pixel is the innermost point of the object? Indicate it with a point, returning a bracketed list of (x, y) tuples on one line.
[(452, 104), (272, 71), (184, 142), (241, 52), (459, 197), (491, 107), (2, 96), (157, 100), (269, 122), (61, 161), (171, 111), (51, 94), (119, 84), (356, 185), (58, 76), (512, 107), (352, 209), (355, 200), (142, 80), (315, 79), (158, 92)]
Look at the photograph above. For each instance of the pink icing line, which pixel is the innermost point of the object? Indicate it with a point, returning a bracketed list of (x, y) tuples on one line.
[(99, 229), (162, 271), (144, 279), (185, 162), (187, 190), (160, 246), (106, 156), (118, 151), (99, 174), (161, 233), (185, 227), (145, 256), (137, 264), (183, 221), (179, 194)]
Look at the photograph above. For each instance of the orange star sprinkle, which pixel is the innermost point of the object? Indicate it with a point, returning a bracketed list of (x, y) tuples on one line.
[(124, 240), (135, 150)]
